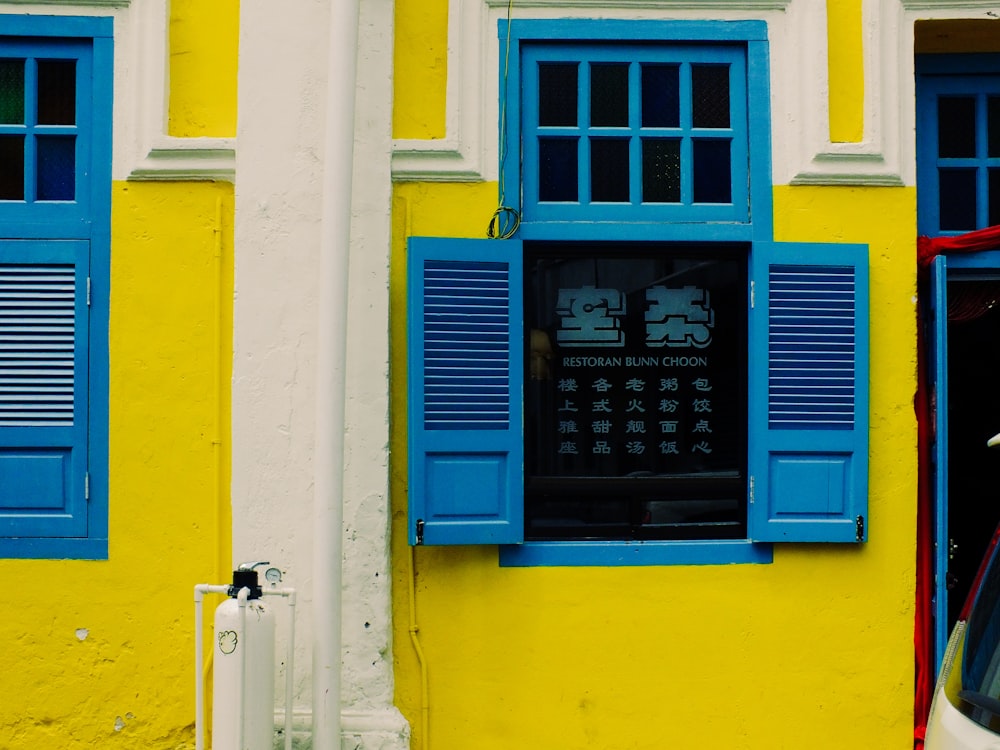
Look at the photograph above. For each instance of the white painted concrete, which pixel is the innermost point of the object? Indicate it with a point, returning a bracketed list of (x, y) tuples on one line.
[(282, 89)]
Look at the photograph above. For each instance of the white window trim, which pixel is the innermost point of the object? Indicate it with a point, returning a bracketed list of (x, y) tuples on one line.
[(142, 149), (797, 31)]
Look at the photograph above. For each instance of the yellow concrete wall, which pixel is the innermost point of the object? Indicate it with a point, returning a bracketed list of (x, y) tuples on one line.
[(100, 653), (812, 651)]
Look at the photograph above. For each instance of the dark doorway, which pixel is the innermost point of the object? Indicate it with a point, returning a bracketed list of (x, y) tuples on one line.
[(973, 417)]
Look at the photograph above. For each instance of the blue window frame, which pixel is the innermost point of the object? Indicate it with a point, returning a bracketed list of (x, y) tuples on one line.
[(631, 133), (55, 139), (802, 320), (958, 146)]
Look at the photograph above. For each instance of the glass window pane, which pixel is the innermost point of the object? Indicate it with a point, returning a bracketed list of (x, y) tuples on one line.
[(56, 168), (994, 197), (56, 92), (12, 92), (956, 126), (710, 96), (993, 117), (661, 170), (957, 199), (609, 95), (661, 105), (12, 167), (557, 94), (558, 169), (712, 171), (609, 170)]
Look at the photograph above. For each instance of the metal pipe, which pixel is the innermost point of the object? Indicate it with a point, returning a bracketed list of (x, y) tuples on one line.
[(335, 238), (241, 602), (289, 658), (199, 680)]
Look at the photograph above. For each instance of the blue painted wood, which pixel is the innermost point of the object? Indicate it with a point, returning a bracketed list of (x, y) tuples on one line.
[(809, 329), (465, 373), (584, 134), (40, 461), (938, 78), (612, 553), (43, 388), (939, 363)]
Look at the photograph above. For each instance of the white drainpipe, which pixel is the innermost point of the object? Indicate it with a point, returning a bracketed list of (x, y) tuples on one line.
[(331, 355)]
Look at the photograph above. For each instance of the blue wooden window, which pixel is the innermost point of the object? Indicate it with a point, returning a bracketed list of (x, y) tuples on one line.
[(465, 380), (55, 144), (627, 141), (958, 143), (634, 133), (807, 393)]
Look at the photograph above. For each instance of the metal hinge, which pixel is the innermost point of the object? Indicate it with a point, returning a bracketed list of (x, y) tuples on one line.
[(752, 290), (751, 490), (86, 486), (88, 291), (860, 527), (420, 531)]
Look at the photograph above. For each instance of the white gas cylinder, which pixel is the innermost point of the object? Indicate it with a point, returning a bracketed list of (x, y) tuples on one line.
[(243, 689)]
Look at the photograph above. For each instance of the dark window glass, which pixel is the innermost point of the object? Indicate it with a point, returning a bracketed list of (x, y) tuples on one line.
[(958, 199), (609, 95), (558, 169), (712, 171), (994, 198), (993, 118), (56, 168), (12, 167), (557, 94), (609, 171), (710, 96), (661, 170), (56, 92), (12, 92), (636, 391), (661, 96), (956, 126)]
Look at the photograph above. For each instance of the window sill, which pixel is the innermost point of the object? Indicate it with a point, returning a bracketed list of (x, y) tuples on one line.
[(605, 554), (53, 549)]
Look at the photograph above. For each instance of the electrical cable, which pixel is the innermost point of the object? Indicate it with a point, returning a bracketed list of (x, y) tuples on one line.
[(506, 219)]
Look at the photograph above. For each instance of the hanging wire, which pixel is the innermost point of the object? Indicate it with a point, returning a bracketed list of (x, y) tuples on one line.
[(506, 219)]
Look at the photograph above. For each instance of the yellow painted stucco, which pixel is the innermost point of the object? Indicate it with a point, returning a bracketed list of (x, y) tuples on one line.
[(204, 39), (100, 653), (845, 67), (814, 650)]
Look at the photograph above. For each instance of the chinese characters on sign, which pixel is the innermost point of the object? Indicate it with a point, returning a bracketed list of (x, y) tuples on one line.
[(639, 379)]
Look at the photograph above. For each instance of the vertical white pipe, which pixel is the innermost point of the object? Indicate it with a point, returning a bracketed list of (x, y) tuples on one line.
[(199, 696), (241, 602), (332, 346)]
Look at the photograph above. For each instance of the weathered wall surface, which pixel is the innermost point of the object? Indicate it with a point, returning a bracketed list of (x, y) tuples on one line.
[(100, 653)]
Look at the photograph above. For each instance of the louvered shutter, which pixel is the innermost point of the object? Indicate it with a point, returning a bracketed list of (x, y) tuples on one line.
[(43, 388), (465, 373), (809, 393)]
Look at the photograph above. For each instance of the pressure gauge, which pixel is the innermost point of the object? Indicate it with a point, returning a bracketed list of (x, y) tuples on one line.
[(272, 576)]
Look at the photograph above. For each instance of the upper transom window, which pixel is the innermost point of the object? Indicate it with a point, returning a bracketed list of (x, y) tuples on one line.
[(640, 132)]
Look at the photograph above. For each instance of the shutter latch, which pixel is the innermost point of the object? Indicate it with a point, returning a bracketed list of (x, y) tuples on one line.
[(420, 531), (860, 528)]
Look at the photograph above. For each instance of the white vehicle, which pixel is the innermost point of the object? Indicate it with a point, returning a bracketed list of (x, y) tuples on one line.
[(965, 714)]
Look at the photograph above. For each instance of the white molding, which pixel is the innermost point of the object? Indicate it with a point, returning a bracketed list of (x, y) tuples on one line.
[(151, 153)]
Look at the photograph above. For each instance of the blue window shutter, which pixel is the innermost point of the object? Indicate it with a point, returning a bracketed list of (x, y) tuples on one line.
[(465, 374), (43, 388), (809, 393)]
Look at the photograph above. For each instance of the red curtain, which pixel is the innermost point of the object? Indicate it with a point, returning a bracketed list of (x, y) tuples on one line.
[(929, 248)]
